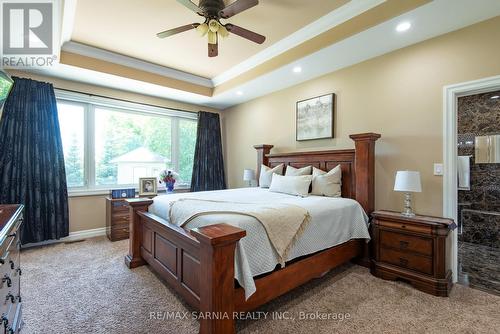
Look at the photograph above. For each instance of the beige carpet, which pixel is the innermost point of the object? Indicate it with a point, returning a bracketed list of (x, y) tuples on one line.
[(85, 288)]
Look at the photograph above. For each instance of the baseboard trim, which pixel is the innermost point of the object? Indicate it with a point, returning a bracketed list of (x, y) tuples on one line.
[(78, 235), (73, 236)]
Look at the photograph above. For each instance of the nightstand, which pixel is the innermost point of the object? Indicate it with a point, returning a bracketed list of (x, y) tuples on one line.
[(412, 249), (117, 219)]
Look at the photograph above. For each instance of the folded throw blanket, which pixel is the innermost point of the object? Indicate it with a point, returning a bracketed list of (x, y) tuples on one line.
[(284, 223)]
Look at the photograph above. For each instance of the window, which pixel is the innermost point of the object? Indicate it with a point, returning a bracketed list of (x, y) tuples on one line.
[(109, 143), (71, 119)]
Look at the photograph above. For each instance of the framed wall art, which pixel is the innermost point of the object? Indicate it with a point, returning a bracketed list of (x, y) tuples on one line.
[(315, 117)]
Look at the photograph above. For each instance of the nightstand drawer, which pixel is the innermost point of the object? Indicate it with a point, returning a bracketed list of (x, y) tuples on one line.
[(405, 260), (404, 242), (120, 206), (120, 232), (120, 219), (405, 226)]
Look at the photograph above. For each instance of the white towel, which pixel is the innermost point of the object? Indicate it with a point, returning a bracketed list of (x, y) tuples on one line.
[(463, 168)]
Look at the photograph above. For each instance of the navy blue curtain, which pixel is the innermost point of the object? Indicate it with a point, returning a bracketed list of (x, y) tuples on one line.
[(32, 161), (208, 168)]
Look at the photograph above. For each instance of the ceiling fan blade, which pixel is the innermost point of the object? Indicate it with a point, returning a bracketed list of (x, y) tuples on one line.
[(190, 5), (237, 7), (177, 30), (213, 50), (250, 35)]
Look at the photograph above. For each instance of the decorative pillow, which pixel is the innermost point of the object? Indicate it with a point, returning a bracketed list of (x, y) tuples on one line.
[(266, 174), (292, 171), (327, 184), (293, 185)]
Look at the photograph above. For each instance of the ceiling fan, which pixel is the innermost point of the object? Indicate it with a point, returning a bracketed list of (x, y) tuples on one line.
[(213, 11)]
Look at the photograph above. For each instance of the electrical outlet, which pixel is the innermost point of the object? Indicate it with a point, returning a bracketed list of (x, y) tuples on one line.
[(438, 169)]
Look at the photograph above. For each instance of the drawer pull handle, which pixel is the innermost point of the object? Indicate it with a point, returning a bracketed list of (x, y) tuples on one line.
[(403, 244), (11, 297), (19, 271), (12, 265), (403, 262), (7, 279)]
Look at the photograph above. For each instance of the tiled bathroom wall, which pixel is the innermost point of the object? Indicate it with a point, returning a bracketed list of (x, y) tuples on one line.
[(479, 207)]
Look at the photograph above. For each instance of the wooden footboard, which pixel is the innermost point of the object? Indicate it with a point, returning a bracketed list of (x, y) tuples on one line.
[(198, 264)]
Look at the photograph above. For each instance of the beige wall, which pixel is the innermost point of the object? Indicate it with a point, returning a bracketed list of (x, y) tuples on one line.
[(89, 212), (398, 95), (86, 213)]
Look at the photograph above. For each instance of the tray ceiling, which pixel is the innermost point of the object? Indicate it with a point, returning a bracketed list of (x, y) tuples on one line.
[(129, 28)]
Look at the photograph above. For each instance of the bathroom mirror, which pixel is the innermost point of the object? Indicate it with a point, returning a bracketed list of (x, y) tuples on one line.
[(487, 149)]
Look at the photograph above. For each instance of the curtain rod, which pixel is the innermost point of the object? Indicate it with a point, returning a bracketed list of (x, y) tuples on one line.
[(123, 100)]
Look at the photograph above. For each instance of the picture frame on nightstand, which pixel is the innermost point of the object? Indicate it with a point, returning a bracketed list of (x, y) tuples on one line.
[(148, 186)]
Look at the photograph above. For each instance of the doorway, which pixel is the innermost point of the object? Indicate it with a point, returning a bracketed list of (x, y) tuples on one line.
[(474, 251)]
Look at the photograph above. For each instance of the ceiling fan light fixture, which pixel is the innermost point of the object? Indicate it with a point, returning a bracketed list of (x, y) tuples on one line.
[(212, 37), (202, 29), (213, 25)]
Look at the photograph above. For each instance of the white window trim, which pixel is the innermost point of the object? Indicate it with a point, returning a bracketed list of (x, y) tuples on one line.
[(124, 105), (90, 102)]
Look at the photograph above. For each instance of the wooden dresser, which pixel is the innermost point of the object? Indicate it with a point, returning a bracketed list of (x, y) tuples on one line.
[(117, 219), (11, 218), (412, 249)]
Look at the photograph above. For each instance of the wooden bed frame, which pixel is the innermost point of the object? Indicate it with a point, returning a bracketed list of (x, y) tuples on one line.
[(199, 263)]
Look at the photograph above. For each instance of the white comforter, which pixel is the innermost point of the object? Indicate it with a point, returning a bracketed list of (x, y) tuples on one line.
[(334, 221)]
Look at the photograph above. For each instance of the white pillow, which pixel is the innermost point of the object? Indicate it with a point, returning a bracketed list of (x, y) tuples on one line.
[(293, 185), (292, 171), (327, 184), (266, 174)]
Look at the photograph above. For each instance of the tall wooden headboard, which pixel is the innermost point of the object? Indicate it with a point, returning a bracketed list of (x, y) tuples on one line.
[(358, 166)]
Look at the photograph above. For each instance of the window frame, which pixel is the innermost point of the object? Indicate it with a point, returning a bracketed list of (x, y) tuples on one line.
[(92, 102)]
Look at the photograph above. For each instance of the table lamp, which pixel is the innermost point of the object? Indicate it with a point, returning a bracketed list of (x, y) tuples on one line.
[(408, 182), (249, 176)]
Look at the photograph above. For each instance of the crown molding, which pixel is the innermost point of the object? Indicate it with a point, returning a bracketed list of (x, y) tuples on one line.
[(325, 23), (116, 58)]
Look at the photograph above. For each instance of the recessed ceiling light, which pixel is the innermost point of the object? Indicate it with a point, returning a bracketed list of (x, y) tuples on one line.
[(239, 93), (297, 69), (495, 97), (403, 26)]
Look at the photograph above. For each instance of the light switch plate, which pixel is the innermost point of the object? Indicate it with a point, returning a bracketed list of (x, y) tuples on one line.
[(438, 169)]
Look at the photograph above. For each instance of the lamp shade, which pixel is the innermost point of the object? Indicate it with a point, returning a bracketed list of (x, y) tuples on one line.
[(408, 181), (248, 175)]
